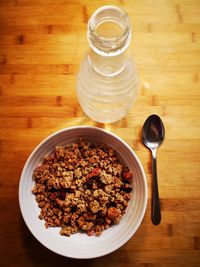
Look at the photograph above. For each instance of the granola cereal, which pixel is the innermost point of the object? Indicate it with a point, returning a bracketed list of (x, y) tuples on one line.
[(82, 187)]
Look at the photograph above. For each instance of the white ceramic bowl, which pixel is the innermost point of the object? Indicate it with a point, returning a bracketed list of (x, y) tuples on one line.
[(80, 245)]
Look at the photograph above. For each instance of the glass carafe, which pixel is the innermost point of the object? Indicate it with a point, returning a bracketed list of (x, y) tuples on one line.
[(107, 82)]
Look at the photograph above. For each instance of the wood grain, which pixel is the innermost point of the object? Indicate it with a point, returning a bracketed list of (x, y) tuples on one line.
[(41, 46)]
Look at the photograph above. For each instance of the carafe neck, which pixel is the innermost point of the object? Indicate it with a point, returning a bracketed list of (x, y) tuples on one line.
[(109, 31)]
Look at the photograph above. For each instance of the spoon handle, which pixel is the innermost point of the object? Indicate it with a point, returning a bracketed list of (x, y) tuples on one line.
[(155, 211)]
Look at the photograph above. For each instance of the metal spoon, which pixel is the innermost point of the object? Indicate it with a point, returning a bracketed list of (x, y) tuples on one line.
[(153, 134)]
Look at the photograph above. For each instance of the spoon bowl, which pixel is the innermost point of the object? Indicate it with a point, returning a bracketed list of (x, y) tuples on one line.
[(153, 132)]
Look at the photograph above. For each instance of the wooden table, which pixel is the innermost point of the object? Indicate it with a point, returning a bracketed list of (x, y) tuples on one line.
[(41, 46)]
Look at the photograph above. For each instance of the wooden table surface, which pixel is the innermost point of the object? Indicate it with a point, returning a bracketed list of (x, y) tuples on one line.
[(41, 46)]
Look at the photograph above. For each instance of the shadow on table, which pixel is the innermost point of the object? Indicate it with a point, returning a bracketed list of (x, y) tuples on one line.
[(37, 255)]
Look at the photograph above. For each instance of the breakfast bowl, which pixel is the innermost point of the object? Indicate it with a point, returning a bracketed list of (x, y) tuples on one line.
[(80, 245)]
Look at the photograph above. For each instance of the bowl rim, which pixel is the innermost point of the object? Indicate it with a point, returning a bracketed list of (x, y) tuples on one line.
[(144, 207)]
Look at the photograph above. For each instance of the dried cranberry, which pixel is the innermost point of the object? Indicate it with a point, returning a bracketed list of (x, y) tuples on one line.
[(95, 172), (62, 194), (89, 183), (73, 209), (127, 189), (53, 190), (53, 196), (90, 232), (100, 220), (99, 213), (113, 204), (127, 176)]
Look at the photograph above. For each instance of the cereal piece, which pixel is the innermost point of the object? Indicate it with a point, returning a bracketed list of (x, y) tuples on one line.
[(78, 194), (96, 193), (66, 218), (109, 188), (68, 230), (81, 221), (82, 207), (66, 182), (113, 213), (106, 178), (117, 182), (87, 226), (98, 230), (78, 173), (94, 206)]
